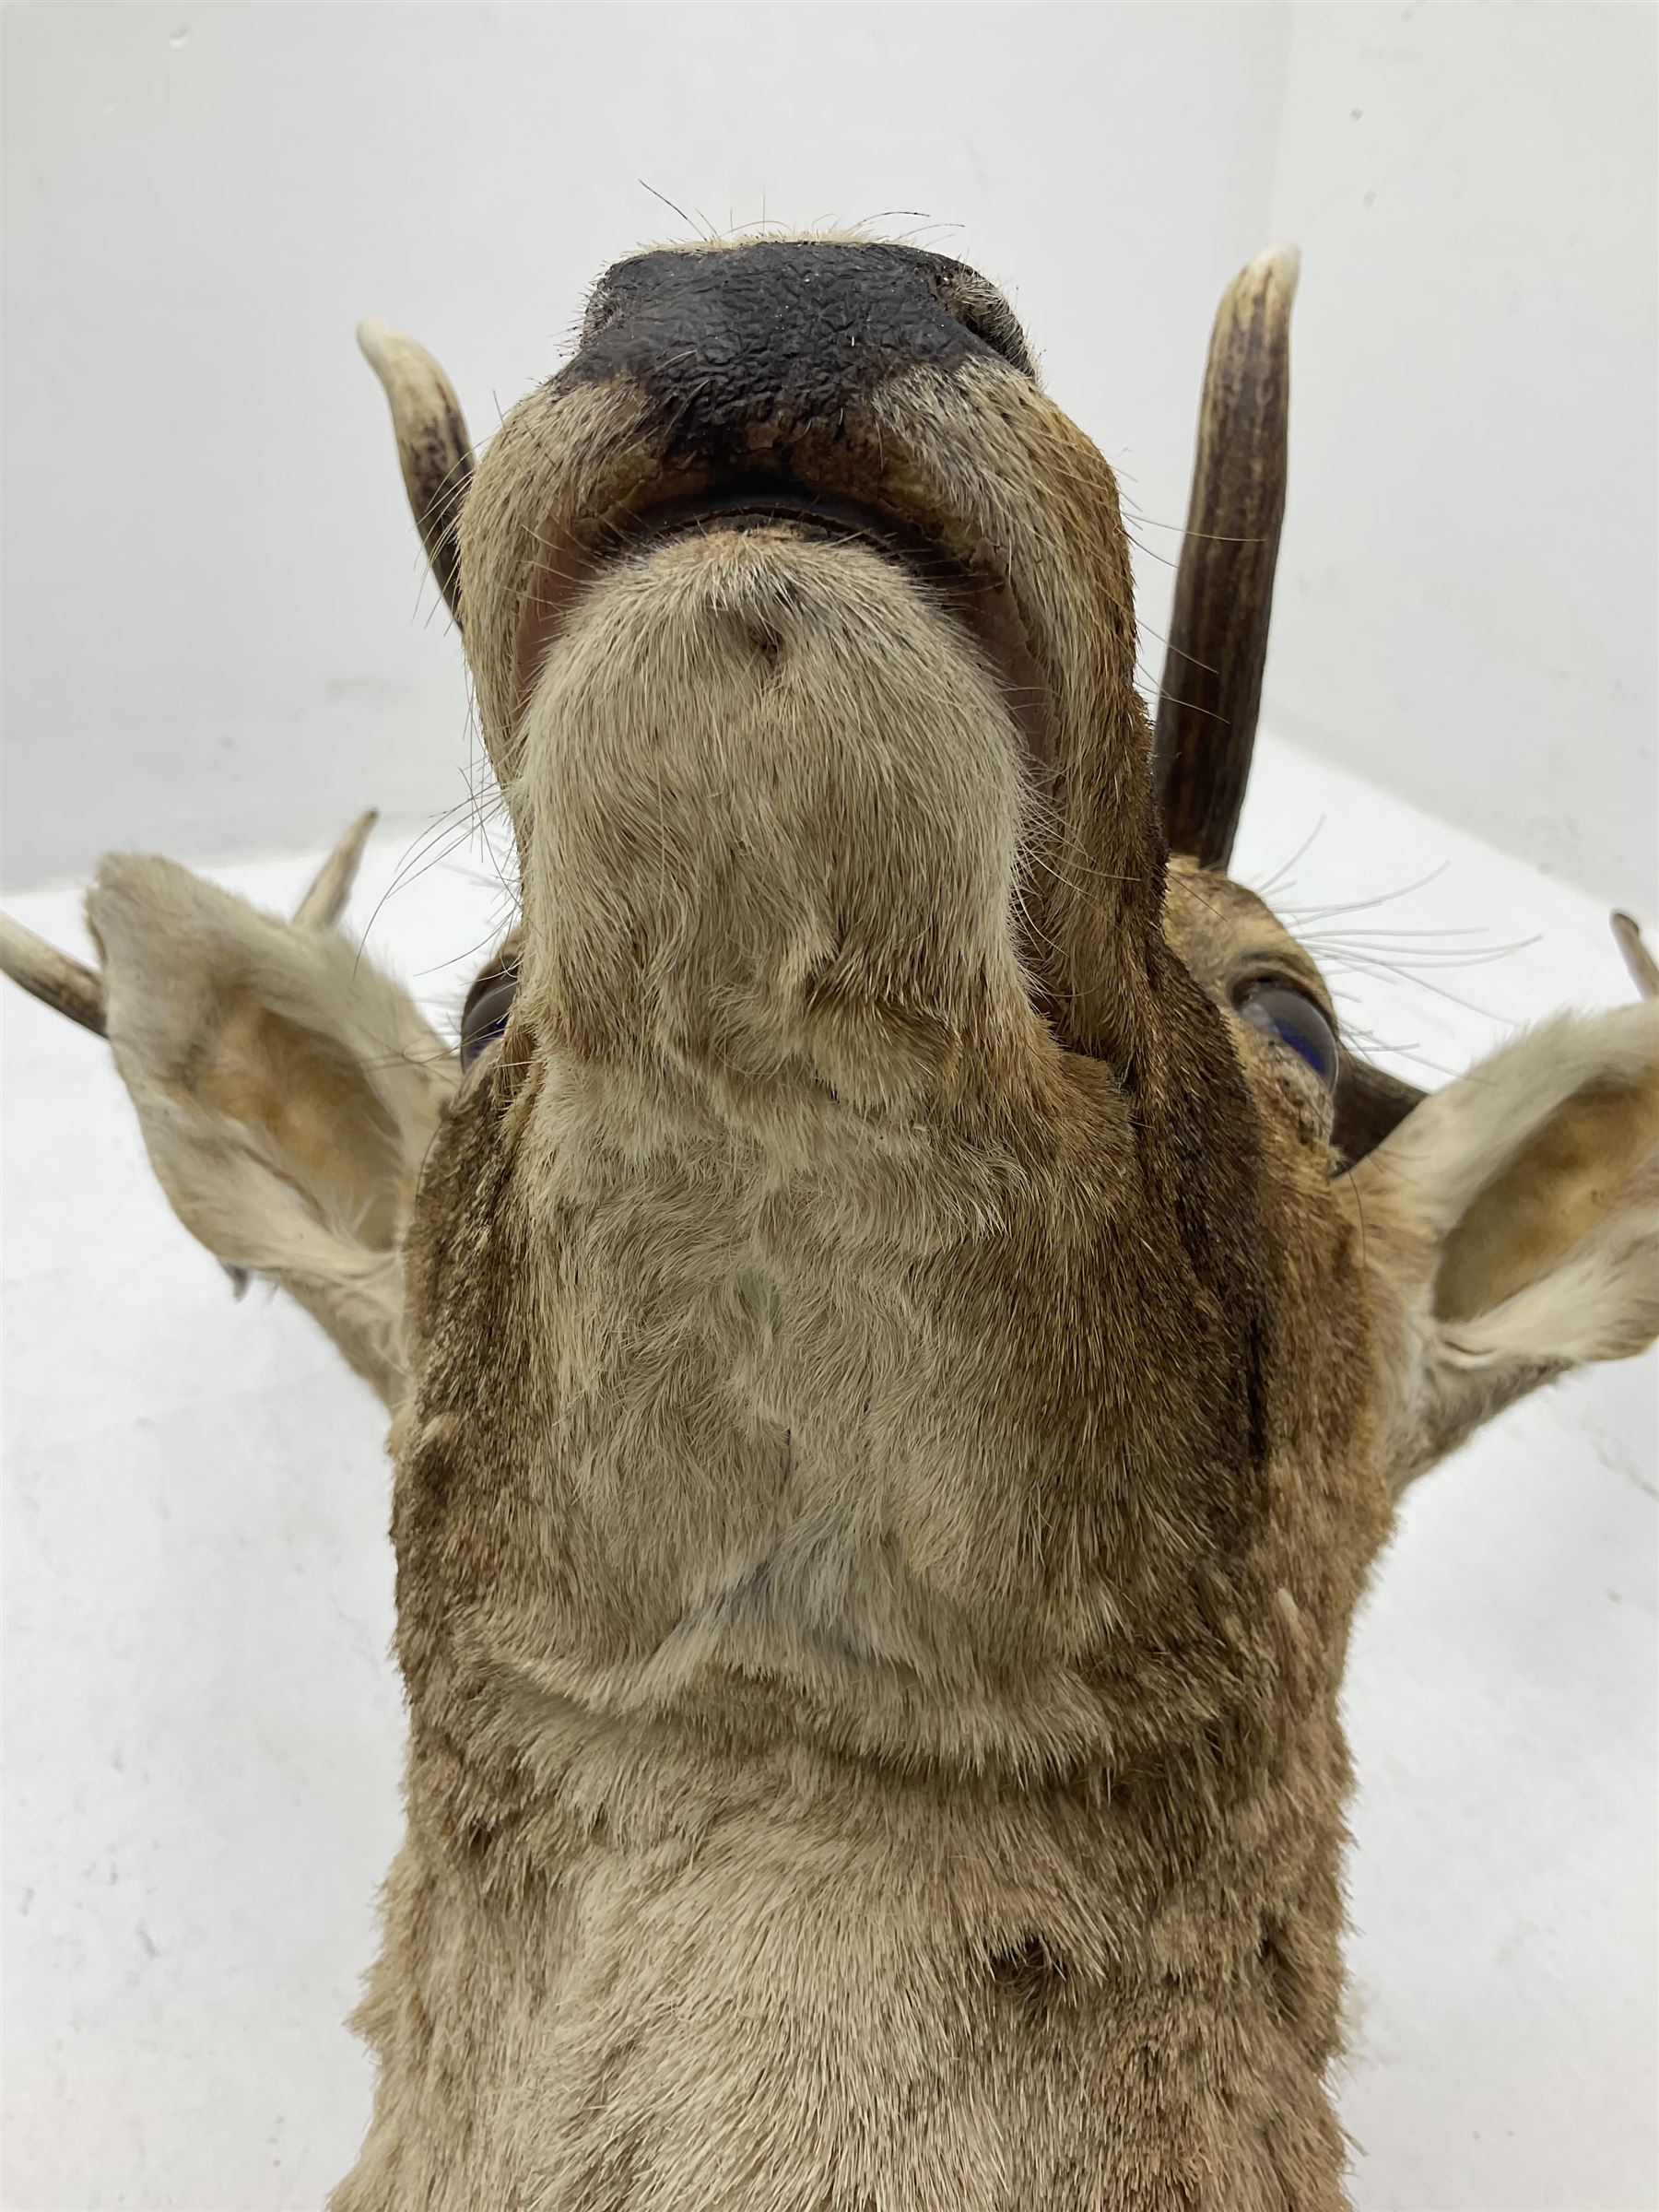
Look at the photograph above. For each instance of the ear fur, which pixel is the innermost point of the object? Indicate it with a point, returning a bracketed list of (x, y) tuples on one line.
[(1512, 1224), (287, 1092)]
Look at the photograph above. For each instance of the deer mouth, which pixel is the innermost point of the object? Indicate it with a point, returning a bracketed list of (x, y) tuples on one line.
[(779, 504), (956, 570)]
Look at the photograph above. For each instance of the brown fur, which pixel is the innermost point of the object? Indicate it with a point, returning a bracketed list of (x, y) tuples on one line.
[(873, 1621), (902, 1405)]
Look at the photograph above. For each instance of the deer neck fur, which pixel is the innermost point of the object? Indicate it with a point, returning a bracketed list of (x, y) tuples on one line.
[(797, 1822)]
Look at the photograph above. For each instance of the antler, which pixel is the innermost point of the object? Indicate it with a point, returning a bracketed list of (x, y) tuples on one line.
[(324, 902), (1212, 685), (50, 975), (65, 985), (1643, 968), (432, 445)]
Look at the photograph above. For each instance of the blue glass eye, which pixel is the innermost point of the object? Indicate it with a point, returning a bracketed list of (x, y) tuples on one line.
[(1295, 1021), (488, 1003)]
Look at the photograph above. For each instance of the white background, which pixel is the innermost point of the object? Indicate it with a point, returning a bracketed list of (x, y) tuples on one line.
[(217, 641), (218, 636)]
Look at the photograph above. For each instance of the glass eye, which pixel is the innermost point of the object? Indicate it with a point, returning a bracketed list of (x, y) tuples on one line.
[(1295, 1021), (485, 1016)]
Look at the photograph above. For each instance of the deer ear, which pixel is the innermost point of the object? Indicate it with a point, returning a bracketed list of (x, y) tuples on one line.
[(286, 1090), (1511, 1223)]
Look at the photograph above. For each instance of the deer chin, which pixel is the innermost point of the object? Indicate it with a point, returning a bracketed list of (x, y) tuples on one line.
[(969, 586), (773, 798), (983, 521)]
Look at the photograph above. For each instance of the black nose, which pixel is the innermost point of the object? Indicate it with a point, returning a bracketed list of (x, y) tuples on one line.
[(780, 337)]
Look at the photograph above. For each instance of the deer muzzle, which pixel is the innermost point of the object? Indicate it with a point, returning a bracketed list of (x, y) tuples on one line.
[(782, 598)]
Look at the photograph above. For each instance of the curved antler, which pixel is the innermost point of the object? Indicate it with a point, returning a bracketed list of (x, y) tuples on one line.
[(432, 445), (1212, 683)]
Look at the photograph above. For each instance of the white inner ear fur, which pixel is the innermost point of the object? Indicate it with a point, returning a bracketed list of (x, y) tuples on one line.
[(285, 1089), (1519, 1206)]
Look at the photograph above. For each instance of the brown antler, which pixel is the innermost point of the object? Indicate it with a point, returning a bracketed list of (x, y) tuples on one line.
[(1212, 686), (432, 445)]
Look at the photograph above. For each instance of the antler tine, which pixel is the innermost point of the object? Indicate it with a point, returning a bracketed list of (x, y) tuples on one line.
[(52, 976), (325, 901), (1643, 968), (432, 445), (1212, 684)]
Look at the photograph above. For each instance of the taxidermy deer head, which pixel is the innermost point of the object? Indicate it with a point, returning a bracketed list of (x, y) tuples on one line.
[(905, 1321)]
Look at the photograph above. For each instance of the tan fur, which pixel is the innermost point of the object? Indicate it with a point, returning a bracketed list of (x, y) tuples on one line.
[(1513, 1227), (287, 1092), (901, 1403)]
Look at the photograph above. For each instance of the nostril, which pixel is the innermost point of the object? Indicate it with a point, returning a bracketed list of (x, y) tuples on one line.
[(980, 308)]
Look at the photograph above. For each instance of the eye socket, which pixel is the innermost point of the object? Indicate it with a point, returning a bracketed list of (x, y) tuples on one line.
[(1293, 1019), (484, 1018)]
